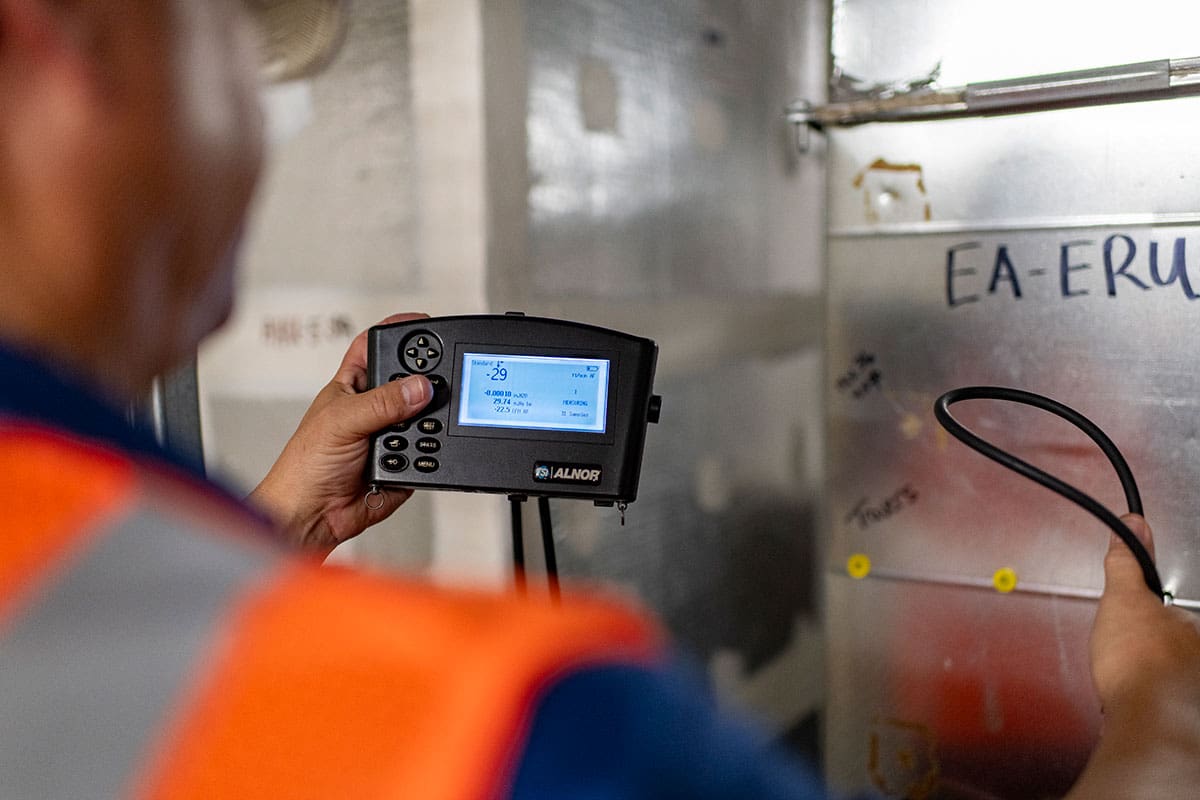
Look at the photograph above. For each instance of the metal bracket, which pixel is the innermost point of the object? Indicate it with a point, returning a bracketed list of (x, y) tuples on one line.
[(799, 114)]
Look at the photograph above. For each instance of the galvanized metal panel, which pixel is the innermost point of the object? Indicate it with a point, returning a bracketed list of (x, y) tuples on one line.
[(1079, 314), (952, 693), (665, 197), (656, 157), (1085, 167), (1057, 252), (922, 504), (720, 542)]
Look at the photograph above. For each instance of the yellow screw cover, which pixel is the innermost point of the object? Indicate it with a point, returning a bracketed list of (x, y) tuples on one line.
[(858, 566), (1005, 580)]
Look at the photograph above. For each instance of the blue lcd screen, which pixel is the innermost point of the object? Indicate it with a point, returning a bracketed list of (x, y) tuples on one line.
[(534, 392)]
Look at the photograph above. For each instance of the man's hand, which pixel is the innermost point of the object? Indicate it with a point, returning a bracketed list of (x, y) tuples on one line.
[(315, 490), (1146, 668)]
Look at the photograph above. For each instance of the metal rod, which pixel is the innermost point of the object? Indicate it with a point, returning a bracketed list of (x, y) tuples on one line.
[(1146, 80), (1101, 85)]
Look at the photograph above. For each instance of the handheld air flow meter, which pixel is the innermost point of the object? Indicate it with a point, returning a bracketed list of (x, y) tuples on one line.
[(522, 406)]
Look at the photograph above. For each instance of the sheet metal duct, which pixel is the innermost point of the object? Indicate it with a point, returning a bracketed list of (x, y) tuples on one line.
[(653, 169), (1055, 252), (660, 196)]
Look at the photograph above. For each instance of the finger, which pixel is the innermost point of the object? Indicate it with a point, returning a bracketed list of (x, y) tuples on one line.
[(362, 414), (1141, 529), (1123, 580), (353, 369)]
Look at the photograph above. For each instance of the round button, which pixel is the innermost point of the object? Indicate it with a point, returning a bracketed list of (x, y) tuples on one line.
[(430, 426), (441, 391), (395, 443), (401, 427), (426, 464), (428, 445), (394, 463)]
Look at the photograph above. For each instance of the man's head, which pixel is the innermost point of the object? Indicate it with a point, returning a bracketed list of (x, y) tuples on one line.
[(129, 149)]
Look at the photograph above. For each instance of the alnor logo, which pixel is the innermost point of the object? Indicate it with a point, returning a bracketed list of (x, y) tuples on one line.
[(549, 472)]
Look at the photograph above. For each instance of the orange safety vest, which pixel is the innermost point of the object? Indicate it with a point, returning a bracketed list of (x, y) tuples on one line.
[(150, 648)]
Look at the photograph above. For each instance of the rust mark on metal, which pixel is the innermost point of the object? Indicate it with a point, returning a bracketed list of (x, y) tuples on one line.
[(883, 165), (915, 757)]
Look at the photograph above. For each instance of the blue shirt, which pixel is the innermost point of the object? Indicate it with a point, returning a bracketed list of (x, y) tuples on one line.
[(606, 733), (33, 391)]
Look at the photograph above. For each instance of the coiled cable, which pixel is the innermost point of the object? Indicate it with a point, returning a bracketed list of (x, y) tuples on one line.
[(941, 410)]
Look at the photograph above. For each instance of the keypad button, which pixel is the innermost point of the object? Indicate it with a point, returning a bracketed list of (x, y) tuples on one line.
[(422, 341), (430, 426), (428, 445), (402, 427), (395, 443), (420, 363), (426, 464), (440, 388), (432, 355), (394, 463), (398, 375), (412, 352)]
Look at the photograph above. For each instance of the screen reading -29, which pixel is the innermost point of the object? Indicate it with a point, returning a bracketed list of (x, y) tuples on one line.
[(534, 392)]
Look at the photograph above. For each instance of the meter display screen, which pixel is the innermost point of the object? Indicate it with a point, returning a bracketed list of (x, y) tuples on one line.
[(534, 392)]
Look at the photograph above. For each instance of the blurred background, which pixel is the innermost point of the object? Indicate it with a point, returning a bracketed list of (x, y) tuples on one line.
[(631, 164)]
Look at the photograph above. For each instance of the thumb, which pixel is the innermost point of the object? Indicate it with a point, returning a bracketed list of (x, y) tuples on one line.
[(1122, 573), (370, 411)]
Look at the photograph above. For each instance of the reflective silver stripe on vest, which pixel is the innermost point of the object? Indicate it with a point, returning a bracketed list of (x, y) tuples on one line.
[(90, 672)]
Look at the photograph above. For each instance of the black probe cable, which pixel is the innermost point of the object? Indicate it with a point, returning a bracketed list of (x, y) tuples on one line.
[(941, 410), (548, 549), (518, 543)]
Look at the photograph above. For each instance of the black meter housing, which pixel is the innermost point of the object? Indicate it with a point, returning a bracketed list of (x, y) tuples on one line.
[(522, 406)]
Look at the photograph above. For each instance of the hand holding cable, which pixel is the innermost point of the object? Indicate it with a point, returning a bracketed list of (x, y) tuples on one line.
[(941, 410)]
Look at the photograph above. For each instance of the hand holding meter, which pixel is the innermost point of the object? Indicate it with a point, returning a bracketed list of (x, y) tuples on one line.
[(521, 406)]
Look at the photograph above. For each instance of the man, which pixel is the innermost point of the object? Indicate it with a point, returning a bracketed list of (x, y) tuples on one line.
[(156, 639)]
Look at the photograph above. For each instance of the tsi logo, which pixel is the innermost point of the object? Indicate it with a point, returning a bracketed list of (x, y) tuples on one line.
[(553, 472)]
